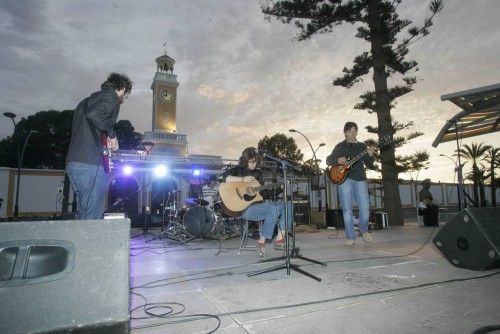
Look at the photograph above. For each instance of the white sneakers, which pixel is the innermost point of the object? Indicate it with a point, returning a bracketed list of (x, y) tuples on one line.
[(367, 237), (349, 242)]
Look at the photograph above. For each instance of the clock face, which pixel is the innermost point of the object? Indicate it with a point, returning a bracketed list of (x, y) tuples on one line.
[(166, 95)]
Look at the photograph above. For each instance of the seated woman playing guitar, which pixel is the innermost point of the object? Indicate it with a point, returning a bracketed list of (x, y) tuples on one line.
[(247, 175)]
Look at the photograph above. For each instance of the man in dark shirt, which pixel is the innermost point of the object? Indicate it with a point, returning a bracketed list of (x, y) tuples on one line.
[(84, 163), (270, 212), (430, 212), (354, 186)]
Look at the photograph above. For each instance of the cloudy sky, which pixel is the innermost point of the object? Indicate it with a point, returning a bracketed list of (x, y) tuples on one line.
[(241, 77)]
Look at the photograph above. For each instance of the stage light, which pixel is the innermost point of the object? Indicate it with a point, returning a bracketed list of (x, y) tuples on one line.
[(160, 171), (196, 172), (127, 170)]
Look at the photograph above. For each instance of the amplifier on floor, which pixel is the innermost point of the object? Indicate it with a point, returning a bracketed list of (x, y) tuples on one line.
[(471, 239), (334, 218), (301, 213), (381, 220), (64, 276)]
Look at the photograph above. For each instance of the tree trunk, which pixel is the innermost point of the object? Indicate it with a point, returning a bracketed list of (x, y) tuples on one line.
[(383, 110), (475, 182), (482, 194)]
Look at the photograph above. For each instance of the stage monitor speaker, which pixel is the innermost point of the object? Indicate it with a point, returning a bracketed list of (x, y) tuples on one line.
[(301, 214), (471, 239), (335, 218), (64, 276)]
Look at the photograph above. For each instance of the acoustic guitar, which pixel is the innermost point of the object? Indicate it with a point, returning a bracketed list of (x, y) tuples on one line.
[(338, 173), (237, 196)]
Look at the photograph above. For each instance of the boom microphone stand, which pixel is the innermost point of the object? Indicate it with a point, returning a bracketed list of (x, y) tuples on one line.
[(288, 254)]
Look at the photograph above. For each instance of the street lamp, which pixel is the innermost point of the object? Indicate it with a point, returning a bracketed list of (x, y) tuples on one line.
[(315, 159), (12, 116), (458, 169), (19, 165), (20, 155)]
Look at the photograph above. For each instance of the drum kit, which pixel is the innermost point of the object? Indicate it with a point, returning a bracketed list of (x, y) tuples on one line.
[(197, 218)]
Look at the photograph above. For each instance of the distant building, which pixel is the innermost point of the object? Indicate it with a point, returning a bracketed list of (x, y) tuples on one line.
[(134, 176)]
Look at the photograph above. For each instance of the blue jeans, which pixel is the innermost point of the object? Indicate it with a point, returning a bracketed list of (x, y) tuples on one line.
[(349, 191), (90, 183), (263, 211), (280, 205)]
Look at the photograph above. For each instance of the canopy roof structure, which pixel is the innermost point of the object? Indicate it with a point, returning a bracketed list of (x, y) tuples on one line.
[(480, 114)]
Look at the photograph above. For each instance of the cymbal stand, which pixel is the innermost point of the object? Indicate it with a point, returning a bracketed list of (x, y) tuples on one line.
[(174, 230), (145, 213), (289, 252)]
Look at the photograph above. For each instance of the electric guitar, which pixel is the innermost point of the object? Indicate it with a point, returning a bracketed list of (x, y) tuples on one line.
[(106, 152), (338, 173), (237, 196)]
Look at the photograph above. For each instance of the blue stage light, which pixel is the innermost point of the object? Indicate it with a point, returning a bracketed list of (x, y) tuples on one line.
[(196, 172), (160, 171), (127, 170)]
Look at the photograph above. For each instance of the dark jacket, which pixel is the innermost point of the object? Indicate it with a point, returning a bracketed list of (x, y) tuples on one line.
[(350, 150), (96, 113), (430, 214)]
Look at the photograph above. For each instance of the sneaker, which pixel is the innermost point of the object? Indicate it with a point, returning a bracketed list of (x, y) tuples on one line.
[(349, 242), (279, 244), (367, 237), (261, 248)]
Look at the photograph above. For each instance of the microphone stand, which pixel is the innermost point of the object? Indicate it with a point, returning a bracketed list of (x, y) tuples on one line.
[(289, 253)]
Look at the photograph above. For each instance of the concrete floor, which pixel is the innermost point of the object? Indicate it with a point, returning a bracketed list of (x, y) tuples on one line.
[(396, 284)]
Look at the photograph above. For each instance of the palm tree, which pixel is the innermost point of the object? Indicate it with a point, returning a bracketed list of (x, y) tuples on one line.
[(492, 157), (473, 153)]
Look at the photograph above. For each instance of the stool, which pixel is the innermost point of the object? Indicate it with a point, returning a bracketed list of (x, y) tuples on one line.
[(244, 234)]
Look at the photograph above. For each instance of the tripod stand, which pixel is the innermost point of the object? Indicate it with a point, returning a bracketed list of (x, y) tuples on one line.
[(289, 252), (174, 230)]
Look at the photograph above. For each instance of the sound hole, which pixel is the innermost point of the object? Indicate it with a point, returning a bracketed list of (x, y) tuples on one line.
[(462, 244)]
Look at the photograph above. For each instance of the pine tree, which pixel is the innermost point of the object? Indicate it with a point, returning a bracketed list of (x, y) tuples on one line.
[(379, 25)]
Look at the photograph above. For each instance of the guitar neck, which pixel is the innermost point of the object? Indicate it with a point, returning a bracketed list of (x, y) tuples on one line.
[(352, 161), (265, 187)]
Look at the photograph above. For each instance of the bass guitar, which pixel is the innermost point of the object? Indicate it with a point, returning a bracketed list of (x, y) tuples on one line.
[(106, 152), (237, 196), (338, 173)]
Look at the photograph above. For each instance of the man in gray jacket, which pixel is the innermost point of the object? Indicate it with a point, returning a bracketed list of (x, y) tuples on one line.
[(92, 135)]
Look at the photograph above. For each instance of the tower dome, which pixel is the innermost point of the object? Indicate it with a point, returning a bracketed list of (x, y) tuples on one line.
[(165, 64)]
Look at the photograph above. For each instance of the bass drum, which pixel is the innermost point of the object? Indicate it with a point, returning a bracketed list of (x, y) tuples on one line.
[(200, 221)]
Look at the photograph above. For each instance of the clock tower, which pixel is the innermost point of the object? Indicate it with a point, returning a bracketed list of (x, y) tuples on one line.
[(164, 95), (164, 137)]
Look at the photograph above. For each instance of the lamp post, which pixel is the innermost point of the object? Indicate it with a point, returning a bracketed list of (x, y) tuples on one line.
[(314, 157), (20, 155), (12, 116), (19, 165), (458, 169)]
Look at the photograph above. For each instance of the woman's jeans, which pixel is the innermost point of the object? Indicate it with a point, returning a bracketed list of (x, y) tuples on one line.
[(349, 191), (90, 183), (271, 213)]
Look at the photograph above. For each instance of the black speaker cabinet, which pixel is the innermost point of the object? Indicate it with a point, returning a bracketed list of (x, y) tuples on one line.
[(64, 276), (301, 213), (471, 239), (334, 218)]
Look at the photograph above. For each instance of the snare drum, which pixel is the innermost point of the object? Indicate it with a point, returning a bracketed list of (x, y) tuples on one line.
[(200, 221)]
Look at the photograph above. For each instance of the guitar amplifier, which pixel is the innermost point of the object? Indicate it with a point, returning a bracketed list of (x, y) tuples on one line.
[(334, 218), (301, 213), (381, 220)]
